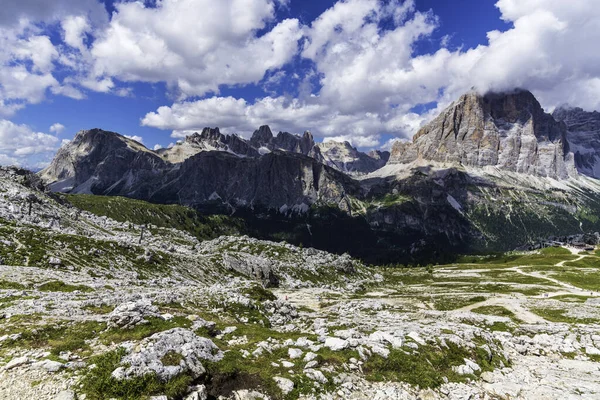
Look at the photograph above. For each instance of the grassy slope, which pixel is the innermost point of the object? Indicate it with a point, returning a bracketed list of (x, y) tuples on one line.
[(165, 216)]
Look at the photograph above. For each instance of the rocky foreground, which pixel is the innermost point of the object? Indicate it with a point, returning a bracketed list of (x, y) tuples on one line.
[(94, 308)]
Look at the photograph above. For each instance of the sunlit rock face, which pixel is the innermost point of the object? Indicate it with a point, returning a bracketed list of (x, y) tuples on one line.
[(510, 131)]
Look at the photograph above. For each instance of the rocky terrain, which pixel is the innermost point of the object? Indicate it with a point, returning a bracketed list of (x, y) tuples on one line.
[(346, 158), (99, 308)]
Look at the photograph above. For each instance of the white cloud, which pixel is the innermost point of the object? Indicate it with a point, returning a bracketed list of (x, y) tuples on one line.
[(57, 128), (75, 29), (363, 76), (14, 11), (356, 141), (157, 147), (26, 61), (237, 116), (370, 77), (194, 45), (20, 145), (138, 139)]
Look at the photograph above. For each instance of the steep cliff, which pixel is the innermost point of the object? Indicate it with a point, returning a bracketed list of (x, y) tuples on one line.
[(100, 162), (344, 157), (510, 131), (583, 136)]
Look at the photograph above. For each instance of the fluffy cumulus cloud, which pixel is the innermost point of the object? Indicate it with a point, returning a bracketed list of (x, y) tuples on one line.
[(370, 77), (25, 68), (281, 113), (195, 45), (361, 76), (29, 59), (138, 139), (57, 128), (20, 145)]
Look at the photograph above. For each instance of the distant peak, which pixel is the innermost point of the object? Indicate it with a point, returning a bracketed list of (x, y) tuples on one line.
[(262, 135)]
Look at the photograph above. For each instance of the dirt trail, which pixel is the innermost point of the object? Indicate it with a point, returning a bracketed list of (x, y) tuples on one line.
[(571, 289), (562, 263), (511, 304), (310, 298)]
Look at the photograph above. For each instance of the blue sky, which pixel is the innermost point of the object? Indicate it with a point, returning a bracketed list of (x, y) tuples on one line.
[(366, 71)]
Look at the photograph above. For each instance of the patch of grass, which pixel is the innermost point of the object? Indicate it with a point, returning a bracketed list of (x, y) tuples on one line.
[(555, 251), (172, 358), (428, 365), (500, 327), (588, 280), (59, 286), (594, 357), (103, 309), (559, 315), (60, 337), (251, 314), (548, 256), (260, 294), (8, 285), (495, 310), (515, 277), (164, 216), (234, 372), (587, 262), (142, 331), (98, 384), (570, 298), (447, 303)]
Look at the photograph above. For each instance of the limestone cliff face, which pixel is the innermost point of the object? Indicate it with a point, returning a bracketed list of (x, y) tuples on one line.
[(209, 140), (584, 138), (510, 131), (305, 144), (344, 157), (98, 161), (278, 180), (106, 163)]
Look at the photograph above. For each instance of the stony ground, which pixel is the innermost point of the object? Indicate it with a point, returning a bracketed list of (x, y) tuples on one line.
[(92, 309)]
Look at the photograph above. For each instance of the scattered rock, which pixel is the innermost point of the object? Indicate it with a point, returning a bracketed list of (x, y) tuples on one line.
[(147, 358), (336, 344), (16, 362), (284, 384), (65, 395), (128, 315), (294, 353)]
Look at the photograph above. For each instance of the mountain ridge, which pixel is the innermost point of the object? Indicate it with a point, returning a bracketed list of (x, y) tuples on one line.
[(487, 175)]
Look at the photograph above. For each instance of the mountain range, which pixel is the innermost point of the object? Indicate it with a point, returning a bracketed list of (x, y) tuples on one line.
[(490, 173)]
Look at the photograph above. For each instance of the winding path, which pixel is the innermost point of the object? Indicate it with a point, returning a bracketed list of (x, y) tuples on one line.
[(510, 303)]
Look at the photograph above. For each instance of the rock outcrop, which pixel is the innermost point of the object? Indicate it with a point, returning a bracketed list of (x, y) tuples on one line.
[(510, 131), (209, 140), (128, 315), (346, 158), (305, 144), (584, 138), (186, 349)]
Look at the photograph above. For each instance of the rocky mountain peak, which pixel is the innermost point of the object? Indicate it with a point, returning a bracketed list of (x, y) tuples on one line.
[(506, 130), (261, 136), (577, 119), (583, 136), (95, 153), (345, 157)]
